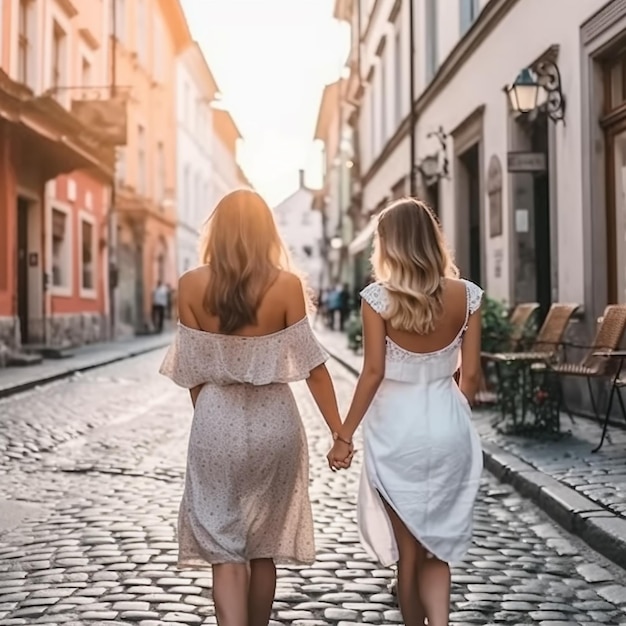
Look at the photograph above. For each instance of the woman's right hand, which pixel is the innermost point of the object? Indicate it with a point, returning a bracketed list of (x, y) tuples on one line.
[(340, 456)]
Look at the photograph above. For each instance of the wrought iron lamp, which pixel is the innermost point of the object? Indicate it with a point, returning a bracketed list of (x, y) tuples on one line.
[(336, 243), (435, 166), (536, 87)]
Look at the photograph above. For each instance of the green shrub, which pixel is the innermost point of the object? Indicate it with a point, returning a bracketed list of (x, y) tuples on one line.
[(496, 328)]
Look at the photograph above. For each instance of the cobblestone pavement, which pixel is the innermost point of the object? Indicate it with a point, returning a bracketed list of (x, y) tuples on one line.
[(95, 464)]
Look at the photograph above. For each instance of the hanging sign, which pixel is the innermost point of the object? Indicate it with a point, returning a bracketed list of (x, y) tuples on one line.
[(526, 162)]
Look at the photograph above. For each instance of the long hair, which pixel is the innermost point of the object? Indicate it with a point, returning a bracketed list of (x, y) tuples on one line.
[(243, 250), (411, 260)]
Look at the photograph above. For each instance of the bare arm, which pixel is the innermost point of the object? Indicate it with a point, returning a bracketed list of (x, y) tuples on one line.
[(470, 358), (372, 374), (319, 382), (186, 316)]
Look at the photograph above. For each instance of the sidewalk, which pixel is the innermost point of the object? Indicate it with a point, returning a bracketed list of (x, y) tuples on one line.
[(16, 379), (584, 492)]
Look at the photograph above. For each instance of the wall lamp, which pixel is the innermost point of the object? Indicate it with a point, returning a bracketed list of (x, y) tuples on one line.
[(435, 166), (536, 87)]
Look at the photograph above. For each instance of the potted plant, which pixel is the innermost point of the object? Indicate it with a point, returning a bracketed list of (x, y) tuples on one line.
[(496, 327)]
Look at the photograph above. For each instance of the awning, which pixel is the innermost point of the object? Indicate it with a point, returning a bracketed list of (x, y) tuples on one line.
[(362, 240)]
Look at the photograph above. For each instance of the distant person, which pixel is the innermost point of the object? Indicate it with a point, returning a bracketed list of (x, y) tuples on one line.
[(160, 300), (243, 336), (344, 306), (334, 306)]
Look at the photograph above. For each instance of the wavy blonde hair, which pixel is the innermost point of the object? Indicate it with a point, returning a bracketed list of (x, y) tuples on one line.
[(243, 250), (411, 259)]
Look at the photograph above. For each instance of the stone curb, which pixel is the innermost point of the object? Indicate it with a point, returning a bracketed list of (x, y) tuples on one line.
[(598, 527), (122, 355)]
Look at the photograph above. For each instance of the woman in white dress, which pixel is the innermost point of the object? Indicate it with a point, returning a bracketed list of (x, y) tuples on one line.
[(422, 456)]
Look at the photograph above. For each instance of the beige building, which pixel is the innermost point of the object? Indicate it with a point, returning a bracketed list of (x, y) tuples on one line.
[(150, 34)]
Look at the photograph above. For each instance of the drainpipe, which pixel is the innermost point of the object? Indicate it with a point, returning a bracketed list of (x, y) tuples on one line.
[(412, 112)]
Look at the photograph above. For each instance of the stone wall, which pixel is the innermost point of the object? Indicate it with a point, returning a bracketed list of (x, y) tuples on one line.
[(77, 329)]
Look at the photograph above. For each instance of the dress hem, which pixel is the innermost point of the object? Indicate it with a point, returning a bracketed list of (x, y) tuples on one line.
[(200, 563), (415, 535)]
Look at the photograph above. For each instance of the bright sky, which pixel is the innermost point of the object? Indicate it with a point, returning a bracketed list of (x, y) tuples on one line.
[(271, 60)]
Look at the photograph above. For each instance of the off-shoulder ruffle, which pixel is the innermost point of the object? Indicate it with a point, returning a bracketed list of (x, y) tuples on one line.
[(196, 357)]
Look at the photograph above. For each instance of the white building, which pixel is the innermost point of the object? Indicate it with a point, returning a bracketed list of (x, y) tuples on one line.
[(196, 89), (301, 229), (227, 175), (556, 234)]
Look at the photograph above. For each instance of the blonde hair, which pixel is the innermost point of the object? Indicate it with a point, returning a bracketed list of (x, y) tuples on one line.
[(411, 260), (243, 249)]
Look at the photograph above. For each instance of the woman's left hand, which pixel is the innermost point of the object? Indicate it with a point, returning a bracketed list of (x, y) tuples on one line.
[(340, 455)]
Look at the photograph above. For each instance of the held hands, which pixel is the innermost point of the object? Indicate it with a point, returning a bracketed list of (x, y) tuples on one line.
[(341, 454)]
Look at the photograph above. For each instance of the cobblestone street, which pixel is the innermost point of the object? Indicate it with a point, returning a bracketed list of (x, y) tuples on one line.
[(90, 484)]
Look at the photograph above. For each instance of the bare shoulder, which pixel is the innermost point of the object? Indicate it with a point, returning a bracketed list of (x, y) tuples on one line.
[(456, 284), (288, 283), (192, 280)]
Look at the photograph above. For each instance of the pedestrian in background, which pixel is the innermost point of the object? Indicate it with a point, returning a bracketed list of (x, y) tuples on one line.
[(160, 300), (422, 455), (243, 335), (344, 306)]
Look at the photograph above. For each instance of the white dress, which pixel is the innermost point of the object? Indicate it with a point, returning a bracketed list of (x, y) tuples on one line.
[(421, 451)]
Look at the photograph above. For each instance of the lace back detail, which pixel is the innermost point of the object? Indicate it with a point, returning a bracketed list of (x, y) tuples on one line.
[(376, 296), (474, 297)]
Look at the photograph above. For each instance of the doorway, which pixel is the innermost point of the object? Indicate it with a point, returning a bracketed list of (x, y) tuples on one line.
[(471, 262), (541, 205), (23, 210)]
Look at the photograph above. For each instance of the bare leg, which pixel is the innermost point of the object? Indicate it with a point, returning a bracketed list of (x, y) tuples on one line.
[(434, 588), (410, 555), (230, 593), (261, 592)]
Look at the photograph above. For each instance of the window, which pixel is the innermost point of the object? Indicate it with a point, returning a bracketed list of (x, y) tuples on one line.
[(60, 250), (187, 192), (117, 16), (141, 161), (120, 166), (142, 33), (57, 58), (87, 279), (187, 104), (469, 13), (197, 208), (432, 39), (159, 191), (398, 78), (373, 119), (383, 99), (158, 49), (24, 55), (85, 73)]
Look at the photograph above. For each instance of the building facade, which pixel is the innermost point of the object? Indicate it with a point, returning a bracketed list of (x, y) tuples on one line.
[(56, 170), (333, 201), (531, 200), (227, 175), (301, 229), (149, 35), (196, 91)]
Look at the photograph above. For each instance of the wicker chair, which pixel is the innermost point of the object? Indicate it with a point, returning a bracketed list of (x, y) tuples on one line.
[(595, 366)]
